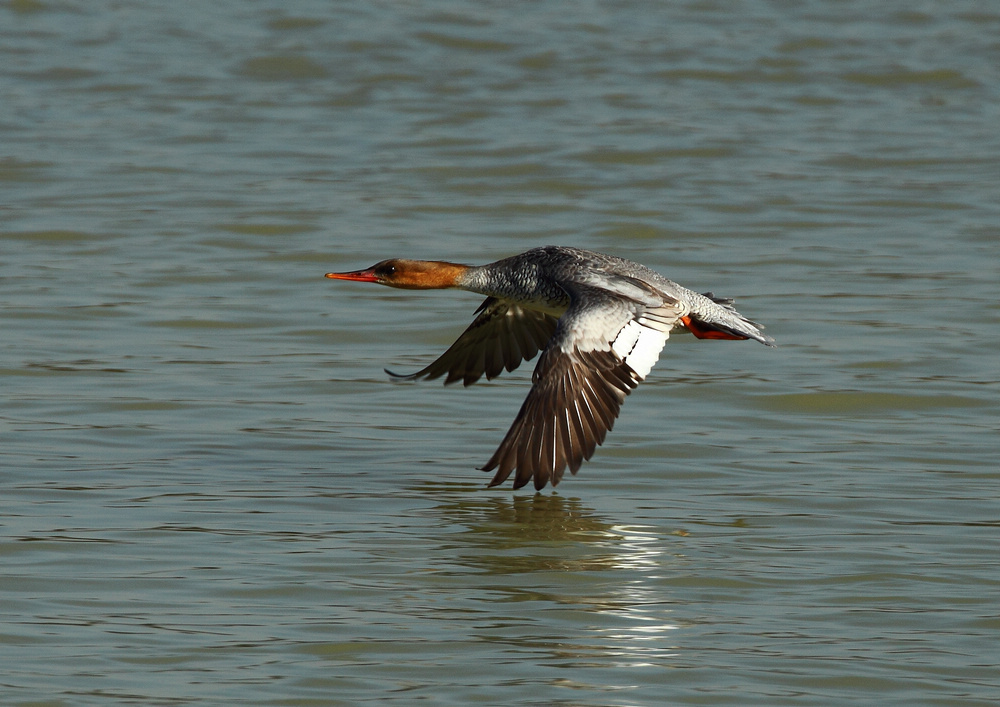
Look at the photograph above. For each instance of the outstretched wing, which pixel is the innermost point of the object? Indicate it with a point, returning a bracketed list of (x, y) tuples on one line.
[(596, 356), (500, 337)]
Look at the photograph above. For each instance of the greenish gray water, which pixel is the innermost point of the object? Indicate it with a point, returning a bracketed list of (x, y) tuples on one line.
[(213, 495)]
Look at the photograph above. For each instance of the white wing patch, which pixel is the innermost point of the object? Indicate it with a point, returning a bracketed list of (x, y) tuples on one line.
[(638, 344)]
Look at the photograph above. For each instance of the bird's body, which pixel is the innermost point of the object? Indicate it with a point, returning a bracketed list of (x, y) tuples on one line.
[(600, 322)]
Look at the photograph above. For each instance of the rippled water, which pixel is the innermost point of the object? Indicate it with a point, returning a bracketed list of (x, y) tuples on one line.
[(213, 495)]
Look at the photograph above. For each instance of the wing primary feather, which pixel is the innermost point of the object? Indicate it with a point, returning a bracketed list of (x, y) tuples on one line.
[(525, 468), (490, 344)]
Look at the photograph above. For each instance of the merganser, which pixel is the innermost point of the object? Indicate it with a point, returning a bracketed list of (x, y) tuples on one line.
[(600, 322)]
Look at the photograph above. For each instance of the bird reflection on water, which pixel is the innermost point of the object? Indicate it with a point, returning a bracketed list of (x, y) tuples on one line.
[(555, 555)]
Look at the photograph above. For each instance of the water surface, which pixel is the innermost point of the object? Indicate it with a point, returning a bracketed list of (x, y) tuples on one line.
[(213, 495)]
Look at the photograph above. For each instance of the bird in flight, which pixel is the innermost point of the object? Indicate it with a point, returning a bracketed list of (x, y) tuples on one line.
[(600, 323)]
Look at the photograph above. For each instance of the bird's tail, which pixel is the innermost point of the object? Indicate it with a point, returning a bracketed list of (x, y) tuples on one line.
[(722, 321)]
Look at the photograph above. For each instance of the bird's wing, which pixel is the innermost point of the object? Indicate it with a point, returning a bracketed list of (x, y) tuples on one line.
[(501, 336), (599, 352)]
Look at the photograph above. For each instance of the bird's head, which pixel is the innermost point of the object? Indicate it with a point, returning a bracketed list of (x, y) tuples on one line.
[(407, 274)]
